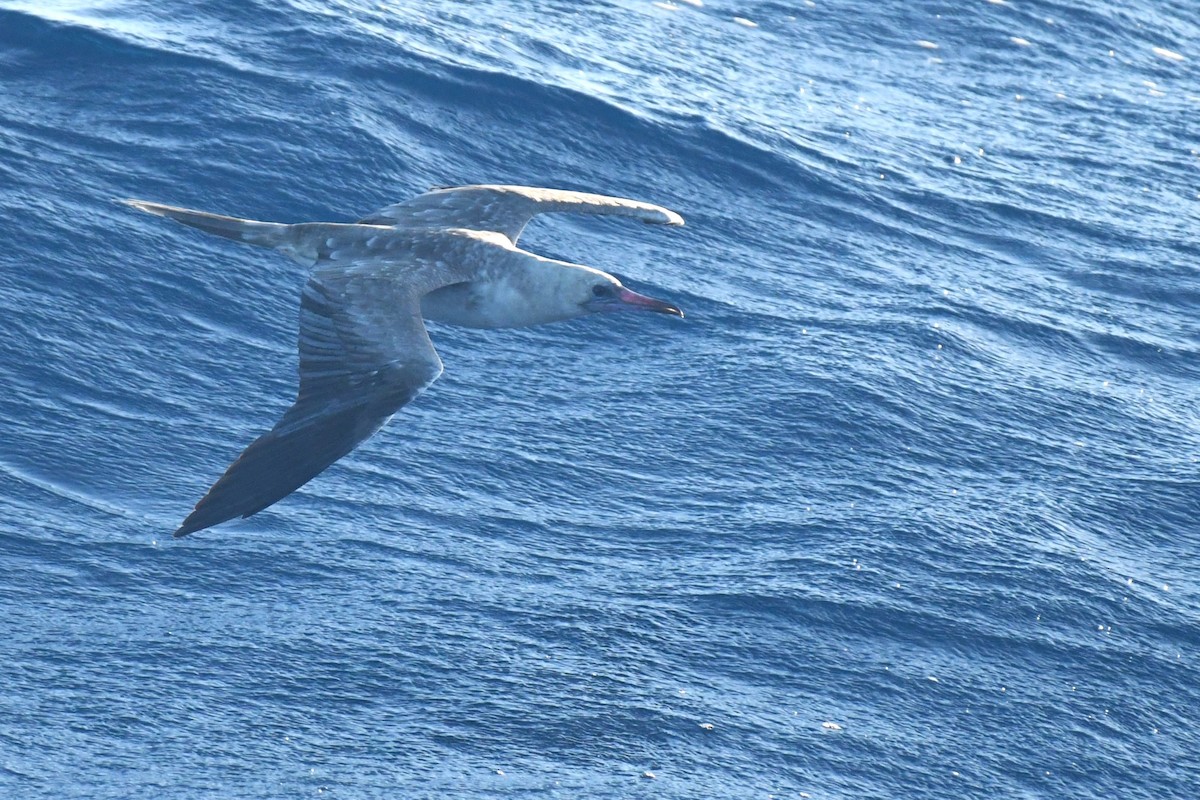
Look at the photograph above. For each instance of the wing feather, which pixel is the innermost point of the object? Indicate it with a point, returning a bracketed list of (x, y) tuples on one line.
[(364, 354), (507, 209)]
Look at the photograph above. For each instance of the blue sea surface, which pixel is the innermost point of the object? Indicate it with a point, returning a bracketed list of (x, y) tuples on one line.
[(908, 506)]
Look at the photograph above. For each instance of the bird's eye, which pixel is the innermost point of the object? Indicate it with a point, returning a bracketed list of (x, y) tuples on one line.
[(602, 290)]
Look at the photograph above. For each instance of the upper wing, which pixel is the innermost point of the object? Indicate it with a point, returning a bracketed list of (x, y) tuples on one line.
[(507, 209), (364, 353)]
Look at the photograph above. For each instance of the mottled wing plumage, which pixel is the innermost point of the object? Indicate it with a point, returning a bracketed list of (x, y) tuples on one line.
[(364, 354), (507, 209)]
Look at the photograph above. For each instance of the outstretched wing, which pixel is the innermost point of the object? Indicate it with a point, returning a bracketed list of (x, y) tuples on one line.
[(364, 353), (507, 209)]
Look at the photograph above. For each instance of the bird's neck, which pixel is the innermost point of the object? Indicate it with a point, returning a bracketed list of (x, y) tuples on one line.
[(532, 292)]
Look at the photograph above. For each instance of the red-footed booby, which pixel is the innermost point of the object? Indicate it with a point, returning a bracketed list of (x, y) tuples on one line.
[(448, 255)]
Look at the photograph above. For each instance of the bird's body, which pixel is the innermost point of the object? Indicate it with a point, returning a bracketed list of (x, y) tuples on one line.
[(449, 255)]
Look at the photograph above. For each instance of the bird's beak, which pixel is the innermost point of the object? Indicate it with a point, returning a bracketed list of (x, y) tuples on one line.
[(632, 301)]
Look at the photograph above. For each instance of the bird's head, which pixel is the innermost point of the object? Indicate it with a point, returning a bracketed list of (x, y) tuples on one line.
[(600, 292)]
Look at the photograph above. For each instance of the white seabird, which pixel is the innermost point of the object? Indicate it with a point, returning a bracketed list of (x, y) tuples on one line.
[(448, 255)]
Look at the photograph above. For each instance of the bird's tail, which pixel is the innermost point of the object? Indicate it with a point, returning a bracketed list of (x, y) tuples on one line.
[(264, 234)]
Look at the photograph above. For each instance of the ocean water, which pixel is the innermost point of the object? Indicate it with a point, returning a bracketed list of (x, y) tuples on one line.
[(907, 506)]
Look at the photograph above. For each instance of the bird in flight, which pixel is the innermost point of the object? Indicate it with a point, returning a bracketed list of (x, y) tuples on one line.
[(448, 255)]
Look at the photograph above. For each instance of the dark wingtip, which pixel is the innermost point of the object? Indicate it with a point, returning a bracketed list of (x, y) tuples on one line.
[(198, 520)]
